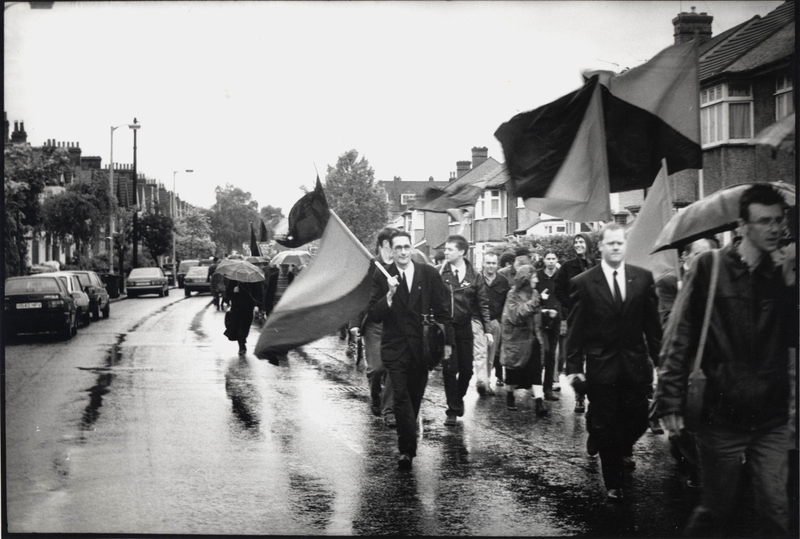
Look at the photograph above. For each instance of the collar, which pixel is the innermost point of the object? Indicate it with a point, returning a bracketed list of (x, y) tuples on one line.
[(608, 271)]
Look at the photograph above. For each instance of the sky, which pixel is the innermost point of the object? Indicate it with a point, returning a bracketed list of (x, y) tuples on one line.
[(262, 95)]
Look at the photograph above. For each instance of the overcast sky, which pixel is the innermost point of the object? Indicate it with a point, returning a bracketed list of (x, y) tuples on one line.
[(256, 94)]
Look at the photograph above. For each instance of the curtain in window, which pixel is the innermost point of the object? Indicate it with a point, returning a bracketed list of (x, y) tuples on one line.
[(739, 120)]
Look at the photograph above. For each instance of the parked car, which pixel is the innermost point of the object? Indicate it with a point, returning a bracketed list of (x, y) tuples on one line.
[(196, 280), (99, 299), (73, 284), (147, 281), (183, 268), (36, 304)]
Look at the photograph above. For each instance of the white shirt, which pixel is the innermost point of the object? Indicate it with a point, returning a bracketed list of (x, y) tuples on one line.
[(608, 271), (409, 271), (462, 270)]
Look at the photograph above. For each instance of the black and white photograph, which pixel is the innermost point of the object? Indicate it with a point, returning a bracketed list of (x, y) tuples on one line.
[(364, 268)]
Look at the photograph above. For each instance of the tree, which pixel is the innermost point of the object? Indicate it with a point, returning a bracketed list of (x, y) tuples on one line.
[(194, 234), (156, 231), (231, 216), (355, 197), (271, 215), (25, 175)]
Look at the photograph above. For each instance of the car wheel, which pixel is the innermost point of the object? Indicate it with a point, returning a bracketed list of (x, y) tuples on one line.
[(132, 295), (74, 330), (187, 292), (107, 310), (96, 311), (66, 332), (167, 292), (161, 293), (86, 318)]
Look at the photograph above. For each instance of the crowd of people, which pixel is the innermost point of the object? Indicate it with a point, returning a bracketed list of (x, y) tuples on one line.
[(625, 342)]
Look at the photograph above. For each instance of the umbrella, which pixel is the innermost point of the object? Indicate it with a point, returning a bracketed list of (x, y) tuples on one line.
[(298, 258), (779, 135), (715, 213), (240, 270), (256, 260)]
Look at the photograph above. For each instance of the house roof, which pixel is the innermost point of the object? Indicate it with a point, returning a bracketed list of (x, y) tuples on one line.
[(776, 47), (727, 50), (479, 175)]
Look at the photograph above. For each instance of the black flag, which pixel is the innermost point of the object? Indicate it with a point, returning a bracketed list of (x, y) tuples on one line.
[(264, 232), (254, 250), (307, 219)]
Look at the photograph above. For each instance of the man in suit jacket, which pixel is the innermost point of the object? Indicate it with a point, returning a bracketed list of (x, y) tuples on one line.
[(398, 302), (614, 325)]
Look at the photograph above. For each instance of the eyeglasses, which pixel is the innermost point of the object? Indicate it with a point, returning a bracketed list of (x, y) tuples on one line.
[(402, 247), (768, 221)]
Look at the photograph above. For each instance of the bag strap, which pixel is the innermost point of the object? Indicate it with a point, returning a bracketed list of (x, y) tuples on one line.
[(709, 306)]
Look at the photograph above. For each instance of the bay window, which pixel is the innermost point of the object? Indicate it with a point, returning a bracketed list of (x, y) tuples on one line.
[(726, 113)]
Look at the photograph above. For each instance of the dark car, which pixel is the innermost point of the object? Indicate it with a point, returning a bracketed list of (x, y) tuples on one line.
[(99, 300), (37, 304), (147, 281), (197, 280), (183, 268)]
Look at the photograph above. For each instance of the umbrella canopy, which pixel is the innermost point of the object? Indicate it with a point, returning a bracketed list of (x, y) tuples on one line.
[(257, 260), (240, 270), (715, 213), (779, 135), (298, 258)]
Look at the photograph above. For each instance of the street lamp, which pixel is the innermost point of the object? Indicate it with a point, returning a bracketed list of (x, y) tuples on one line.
[(111, 194), (174, 217), (135, 262)]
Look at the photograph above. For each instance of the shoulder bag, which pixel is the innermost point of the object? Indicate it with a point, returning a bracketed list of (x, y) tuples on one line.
[(695, 391), (433, 336)]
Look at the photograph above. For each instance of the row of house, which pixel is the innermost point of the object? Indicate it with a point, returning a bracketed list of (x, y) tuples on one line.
[(747, 84), (152, 196)]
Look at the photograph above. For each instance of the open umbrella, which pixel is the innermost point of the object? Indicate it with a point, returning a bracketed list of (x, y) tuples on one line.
[(256, 260), (715, 213), (240, 270), (298, 258)]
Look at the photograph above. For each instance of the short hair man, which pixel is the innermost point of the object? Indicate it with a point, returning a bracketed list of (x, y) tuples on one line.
[(746, 364), (380, 386), (613, 327), (398, 303), (470, 308), (497, 288), (551, 322)]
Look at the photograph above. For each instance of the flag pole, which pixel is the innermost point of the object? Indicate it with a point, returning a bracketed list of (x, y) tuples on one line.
[(358, 242)]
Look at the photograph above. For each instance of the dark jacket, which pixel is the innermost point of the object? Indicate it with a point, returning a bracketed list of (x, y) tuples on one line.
[(549, 284), (271, 288), (569, 269), (497, 291), (522, 326), (616, 343), (746, 356), (402, 321), (468, 298)]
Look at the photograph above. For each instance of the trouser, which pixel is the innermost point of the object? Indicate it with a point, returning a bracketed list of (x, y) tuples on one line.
[(380, 386), (764, 455), (617, 418), (493, 356), (481, 354), (458, 370), (549, 356), (408, 378)]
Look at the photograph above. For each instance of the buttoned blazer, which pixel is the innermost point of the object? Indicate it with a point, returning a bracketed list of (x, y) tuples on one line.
[(618, 345), (402, 321)]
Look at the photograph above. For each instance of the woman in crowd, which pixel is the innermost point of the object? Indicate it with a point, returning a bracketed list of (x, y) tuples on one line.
[(521, 349), (242, 297)]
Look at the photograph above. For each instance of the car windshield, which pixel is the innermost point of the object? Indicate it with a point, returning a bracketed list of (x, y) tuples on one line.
[(144, 272), (37, 285), (84, 279), (198, 271)]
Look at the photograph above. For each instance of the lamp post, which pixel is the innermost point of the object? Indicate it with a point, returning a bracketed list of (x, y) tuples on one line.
[(111, 194), (135, 262), (174, 218)]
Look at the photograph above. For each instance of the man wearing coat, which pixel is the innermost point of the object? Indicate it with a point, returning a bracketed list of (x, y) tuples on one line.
[(399, 302), (614, 326)]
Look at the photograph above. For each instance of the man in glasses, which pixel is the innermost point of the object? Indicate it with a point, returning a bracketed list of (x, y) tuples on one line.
[(399, 302), (744, 423)]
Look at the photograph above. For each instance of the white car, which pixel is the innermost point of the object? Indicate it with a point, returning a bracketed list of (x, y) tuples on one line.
[(147, 281)]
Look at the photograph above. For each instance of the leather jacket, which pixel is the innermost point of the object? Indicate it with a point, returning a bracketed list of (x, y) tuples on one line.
[(746, 356), (469, 298)]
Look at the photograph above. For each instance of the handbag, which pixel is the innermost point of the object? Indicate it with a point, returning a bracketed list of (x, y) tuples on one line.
[(433, 336), (696, 388)]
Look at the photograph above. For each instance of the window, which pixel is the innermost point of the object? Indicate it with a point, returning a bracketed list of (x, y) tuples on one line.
[(520, 202), (726, 113), (407, 198), (494, 202), (480, 207), (784, 96)]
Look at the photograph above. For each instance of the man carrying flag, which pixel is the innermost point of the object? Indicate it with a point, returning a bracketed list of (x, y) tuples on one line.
[(399, 301)]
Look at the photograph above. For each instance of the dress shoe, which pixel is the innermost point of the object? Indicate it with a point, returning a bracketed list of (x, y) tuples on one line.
[(481, 387), (510, 403), (580, 405), (655, 428), (550, 396), (376, 407), (615, 495), (404, 462), (451, 421), (242, 350), (541, 409), (389, 421), (628, 463), (499, 383), (556, 386), (591, 446)]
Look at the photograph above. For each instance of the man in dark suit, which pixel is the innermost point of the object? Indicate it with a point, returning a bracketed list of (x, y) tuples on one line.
[(614, 325), (399, 303)]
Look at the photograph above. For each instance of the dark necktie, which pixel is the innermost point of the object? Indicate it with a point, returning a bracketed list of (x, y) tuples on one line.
[(402, 291), (617, 292), (455, 272)]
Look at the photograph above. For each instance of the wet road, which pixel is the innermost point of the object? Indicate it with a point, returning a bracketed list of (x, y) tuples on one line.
[(149, 422)]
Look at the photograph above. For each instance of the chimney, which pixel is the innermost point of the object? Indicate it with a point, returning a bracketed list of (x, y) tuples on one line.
[(687, 25), (462, 167), (479, 155)]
